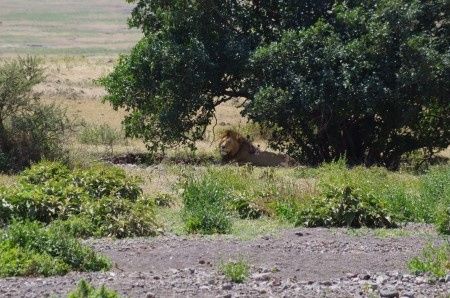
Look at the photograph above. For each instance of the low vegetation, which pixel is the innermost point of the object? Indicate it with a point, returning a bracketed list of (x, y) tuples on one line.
[(96, 201), (434, 260), (331, 195), (30, 249), (86, 290), (204, 206), (101, 135), (237, 271)]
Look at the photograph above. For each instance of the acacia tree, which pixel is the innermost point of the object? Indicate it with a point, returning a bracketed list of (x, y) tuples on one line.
[(367, 80), (194, 56)]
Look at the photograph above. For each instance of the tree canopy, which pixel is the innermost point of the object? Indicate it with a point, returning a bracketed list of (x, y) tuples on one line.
[(367, 80)]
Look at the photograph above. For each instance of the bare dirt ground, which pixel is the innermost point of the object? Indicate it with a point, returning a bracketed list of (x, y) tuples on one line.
[(294, 263)]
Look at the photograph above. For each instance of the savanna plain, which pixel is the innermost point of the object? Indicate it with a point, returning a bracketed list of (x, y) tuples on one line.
[(107, 220)]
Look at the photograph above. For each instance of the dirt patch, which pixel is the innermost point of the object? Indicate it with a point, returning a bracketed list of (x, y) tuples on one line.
[(297, 262)]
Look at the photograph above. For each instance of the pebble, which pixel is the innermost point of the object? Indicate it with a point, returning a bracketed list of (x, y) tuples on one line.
[(261, 276), (227, 287), (388, 292)]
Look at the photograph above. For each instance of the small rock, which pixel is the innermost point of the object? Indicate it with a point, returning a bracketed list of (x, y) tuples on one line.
[(150, 295), (227, 296), (351, 275), (201, 262), (275, 283), (191, 270), (300, 234), (364, 276), (408, 294), (261, 276), (420, 280), (227, 287), (388, 293), (447, 278), (326, 283), (381, 279)]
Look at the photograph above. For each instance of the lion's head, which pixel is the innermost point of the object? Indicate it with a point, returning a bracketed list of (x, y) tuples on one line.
[(232, 142)]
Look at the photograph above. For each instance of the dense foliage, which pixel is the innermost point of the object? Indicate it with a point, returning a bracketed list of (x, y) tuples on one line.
[(29, 249), (96, 201), (362, 79)]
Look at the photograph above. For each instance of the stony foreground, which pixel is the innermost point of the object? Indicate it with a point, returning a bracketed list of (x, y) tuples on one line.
[(295, 263)]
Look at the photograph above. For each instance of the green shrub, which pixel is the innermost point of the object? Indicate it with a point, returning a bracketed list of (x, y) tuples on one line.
[(43, 172), (121, 218), (17, 261), (30, 249), (205, 206), (236, 271), (404, 197), (344, 207), (39, 134), (443, 220), (100, 181), (85, 290), (434, 260), (103, 199)]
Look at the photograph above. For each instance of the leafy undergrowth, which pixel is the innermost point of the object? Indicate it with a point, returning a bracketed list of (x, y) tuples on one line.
[(331, 195), (434, 260), (86, 290), (97, 201), (29, 249)]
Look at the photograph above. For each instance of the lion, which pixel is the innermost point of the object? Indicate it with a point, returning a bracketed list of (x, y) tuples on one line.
[(236, 148)]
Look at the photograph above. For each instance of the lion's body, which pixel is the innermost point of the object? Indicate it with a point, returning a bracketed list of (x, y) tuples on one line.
[(236, 148)]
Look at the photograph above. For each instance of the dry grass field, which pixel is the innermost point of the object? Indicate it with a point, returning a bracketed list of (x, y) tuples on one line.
[(68, 27)]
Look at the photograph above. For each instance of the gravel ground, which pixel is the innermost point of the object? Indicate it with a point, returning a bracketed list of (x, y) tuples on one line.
[(294, 263)]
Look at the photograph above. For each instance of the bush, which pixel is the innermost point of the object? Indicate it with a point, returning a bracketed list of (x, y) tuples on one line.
[(204, 208), (121, 218), (345, 207), (236, 271), (103, 199), (29, 130), (28, 249), (86, 290), (100, 181), (434, 260)]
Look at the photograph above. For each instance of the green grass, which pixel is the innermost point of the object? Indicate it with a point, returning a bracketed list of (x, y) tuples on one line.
[(434, 260), (237, 271), (205, 207)]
